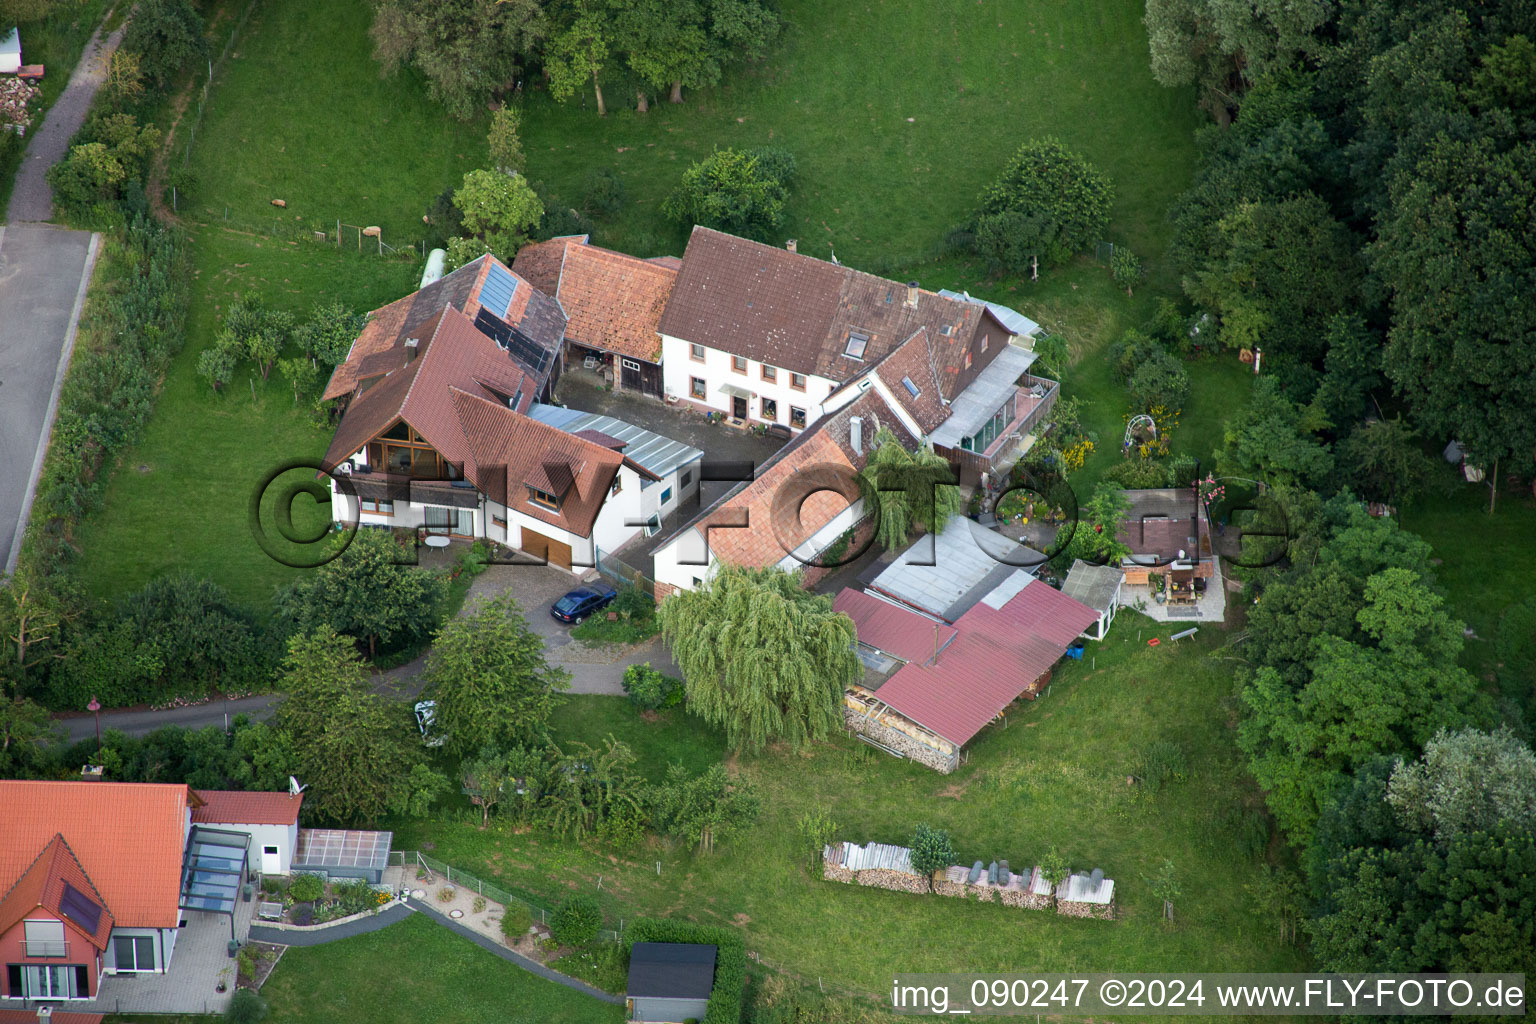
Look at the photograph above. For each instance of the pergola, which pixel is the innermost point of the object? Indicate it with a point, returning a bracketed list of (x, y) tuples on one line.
[(213, 871)]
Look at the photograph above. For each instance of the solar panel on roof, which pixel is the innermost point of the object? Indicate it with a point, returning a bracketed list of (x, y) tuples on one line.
[(497, 291), (80, 908), (513, 341)]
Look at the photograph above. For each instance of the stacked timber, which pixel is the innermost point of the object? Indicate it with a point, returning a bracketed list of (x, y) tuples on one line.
[(1083, 896)]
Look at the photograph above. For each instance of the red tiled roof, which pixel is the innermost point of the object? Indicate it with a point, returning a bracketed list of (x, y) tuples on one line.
[(998, 655), (508, 449), (895, 630), (795, 311), (129, 837), (59, 1017), (783, 506), (915, 360), (42, 885), (415, 316), (539, 263), (614, 301), (456, 355), (234, 807)]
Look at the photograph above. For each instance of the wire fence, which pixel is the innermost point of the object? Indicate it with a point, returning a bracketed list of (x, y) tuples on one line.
[(215, 65), (491, 891)]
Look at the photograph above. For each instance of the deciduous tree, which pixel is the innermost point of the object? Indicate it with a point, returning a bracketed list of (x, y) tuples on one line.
[(367, 593), (1467, 781), (909, 489), (490, 679), (1053, 196), (702, 809), (761, 657), (730, 190), (351, 747), (468, 50), (931, 851), (166, 36)]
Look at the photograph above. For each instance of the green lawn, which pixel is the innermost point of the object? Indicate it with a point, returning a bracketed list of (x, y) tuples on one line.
[(408, 973), (1055, 776), (1486, 560), (179, 498)]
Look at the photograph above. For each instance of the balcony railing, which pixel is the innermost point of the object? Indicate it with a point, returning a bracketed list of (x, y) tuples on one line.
[(47, 947)]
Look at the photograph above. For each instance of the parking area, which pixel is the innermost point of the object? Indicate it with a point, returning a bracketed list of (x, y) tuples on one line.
[(43, 274)]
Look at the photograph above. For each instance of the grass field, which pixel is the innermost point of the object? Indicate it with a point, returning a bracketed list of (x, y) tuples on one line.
[(179, 499), (300, 113), (409, 973), (1056, 776)]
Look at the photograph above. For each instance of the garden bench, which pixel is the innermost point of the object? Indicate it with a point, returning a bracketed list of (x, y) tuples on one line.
[(1188, 632)]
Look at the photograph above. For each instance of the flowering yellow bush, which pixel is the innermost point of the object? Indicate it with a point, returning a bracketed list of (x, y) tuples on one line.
[(1073, 457)]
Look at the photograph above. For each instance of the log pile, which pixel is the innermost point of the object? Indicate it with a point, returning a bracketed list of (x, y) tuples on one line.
[(923, 754), (16, 97), (889, 867)]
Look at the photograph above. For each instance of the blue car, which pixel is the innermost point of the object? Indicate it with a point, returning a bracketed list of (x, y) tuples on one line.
[(581, 602)]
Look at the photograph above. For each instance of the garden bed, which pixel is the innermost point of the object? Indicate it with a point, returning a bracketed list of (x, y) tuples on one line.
[(310, 902)]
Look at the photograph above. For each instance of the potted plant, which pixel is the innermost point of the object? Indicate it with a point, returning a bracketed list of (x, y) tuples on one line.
[(223, 979)]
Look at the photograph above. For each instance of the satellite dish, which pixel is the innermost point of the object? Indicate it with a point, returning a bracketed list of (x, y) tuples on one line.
[(294, 788)]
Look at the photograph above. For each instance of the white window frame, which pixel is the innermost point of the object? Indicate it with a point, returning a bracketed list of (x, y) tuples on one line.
[(630, 364)]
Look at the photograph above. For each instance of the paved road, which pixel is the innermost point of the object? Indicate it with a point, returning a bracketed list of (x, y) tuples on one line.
[(44, 272), (139, 723), (32, 199)]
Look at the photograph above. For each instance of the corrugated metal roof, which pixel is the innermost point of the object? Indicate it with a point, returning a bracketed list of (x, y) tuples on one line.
[(974, 406), (999, 652), (1093, 585), (1012, 319), (649, 450), (875, 856), (891, 628), (1080, 889), (946, 575)]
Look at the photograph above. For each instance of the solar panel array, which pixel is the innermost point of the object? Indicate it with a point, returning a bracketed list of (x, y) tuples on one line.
[(80, 908), (497, 291), (342, 848), (521, 347)]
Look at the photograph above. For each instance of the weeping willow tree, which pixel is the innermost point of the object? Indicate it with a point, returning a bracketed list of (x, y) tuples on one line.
[(908, 489), (761, 657)]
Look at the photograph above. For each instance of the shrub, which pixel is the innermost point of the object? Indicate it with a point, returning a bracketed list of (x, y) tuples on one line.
[(446, 894), (577, 920), (1158, 762), (733, 190), (303, 913), (478, 906), (246, 1007), (1128, 353), (167, 36), (730, 960), (931, 849), (604, 193), (306, 888), (649, 688), (515, 921), (1048, 202), (1160, 380)]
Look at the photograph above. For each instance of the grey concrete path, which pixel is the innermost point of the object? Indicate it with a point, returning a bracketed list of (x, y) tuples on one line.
[(44, 273), (32, 199), (396, 914)]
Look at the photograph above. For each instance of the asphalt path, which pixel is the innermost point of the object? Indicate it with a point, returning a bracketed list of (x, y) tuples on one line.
[(44, 272)]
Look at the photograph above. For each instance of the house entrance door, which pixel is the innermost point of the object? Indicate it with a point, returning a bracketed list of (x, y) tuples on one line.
[(738, 407), (271, 863)]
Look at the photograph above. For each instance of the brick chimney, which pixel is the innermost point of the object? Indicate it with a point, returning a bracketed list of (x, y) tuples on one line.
[(793, 245)]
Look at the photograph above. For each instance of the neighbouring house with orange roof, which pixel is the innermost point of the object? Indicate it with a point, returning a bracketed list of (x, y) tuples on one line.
[(97, 877), (797, 504), (614, 302)]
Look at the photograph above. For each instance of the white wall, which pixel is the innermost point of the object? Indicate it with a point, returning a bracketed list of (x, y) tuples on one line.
[(667, 562), (284, 837), (678, 365), (165, 945)]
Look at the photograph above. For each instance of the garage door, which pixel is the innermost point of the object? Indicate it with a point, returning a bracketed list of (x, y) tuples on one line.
[(540, 546)]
